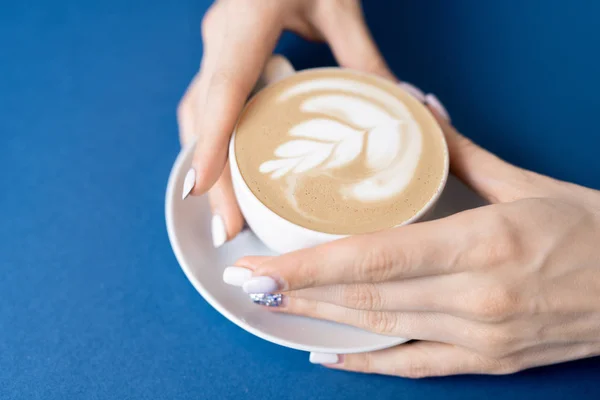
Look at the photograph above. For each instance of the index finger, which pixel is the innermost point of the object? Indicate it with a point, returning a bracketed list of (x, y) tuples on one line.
[(237, 42), (423, 249)]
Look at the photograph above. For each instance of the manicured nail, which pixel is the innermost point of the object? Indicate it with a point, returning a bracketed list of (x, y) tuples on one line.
[(437, 105), (260, 284), (324, 358), (236, 276), (188, 183), (267, 299), (219, 234), (413, 90)]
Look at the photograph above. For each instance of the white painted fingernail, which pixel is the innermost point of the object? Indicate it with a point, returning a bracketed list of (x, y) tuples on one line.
[(236, 276), (413, 90), (437, 105), (219, 234), (188, 183), (260, 284), (324, 358)]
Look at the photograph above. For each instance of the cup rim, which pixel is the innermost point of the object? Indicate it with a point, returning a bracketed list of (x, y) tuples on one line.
[(415, 218)]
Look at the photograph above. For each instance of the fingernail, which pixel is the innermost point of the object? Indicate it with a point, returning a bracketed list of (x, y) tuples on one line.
[(437, 105), (260, 284), (413, 90), (219, 234), (267, 299), (236, 276), (324, 358), (188, 183)]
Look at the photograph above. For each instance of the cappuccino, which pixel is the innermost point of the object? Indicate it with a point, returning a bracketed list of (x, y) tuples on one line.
[(340, 152)]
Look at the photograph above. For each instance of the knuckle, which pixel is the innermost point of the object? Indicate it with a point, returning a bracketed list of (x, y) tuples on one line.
[(303, 274), (493, 350), (492, 342), (183, 108), (209, 20), (502, 366), (379, 322), (508, 368), (376, 265), (487, 365), (507, 240), (501, 243), (360, 363), (362, 297), (303, 307), (500, 304), (415, 370), (495, 304)]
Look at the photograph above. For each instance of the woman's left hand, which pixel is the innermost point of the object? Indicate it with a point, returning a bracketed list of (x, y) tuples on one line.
[(492, 290)]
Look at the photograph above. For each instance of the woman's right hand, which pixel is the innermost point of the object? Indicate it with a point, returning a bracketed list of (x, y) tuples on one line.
[(238, 37)]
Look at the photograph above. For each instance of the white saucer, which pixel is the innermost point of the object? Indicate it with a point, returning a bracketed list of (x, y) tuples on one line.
[(188, 225)]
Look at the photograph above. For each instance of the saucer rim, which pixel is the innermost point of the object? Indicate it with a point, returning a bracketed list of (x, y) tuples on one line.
[(183, 155)]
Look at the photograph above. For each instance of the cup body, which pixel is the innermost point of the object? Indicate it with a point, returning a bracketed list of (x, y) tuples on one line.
[(277, 233)]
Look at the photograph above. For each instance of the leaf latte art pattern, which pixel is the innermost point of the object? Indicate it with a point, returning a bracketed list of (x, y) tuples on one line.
[(349, 122)]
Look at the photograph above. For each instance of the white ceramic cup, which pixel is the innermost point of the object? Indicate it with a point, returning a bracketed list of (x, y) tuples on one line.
[(277, 233)]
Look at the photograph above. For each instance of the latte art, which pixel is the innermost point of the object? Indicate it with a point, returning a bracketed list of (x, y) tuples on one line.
[(339, 152), (353, 124)]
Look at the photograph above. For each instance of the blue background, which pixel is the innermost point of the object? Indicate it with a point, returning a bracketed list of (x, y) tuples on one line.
[(93, 303)]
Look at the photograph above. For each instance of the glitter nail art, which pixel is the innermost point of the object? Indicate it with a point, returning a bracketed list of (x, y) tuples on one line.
[(267, 299)]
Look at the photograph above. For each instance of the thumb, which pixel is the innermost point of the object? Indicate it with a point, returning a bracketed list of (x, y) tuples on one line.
[(237, 42), (491, 177)]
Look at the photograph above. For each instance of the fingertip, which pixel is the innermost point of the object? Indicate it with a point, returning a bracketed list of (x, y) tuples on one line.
[(325, 359), (225, 226), (413, 91), (261, 284), (236, 276), (228, 220), (235, 222), (436, 105), (208, 169), (218, 230), (188, 183)]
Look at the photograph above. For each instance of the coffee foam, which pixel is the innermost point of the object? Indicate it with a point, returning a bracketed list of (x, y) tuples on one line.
[(330, 144)]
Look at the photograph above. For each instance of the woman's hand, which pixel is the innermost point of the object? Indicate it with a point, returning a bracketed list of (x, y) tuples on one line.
[(238, 37), (493, 290)]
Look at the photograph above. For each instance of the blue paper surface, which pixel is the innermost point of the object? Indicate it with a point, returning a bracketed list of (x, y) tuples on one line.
[(93, 303)]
